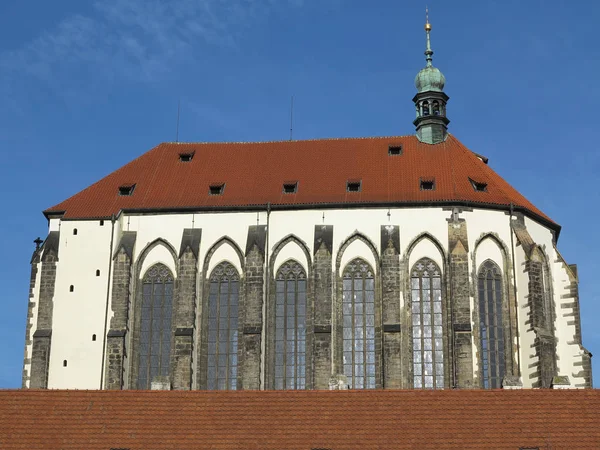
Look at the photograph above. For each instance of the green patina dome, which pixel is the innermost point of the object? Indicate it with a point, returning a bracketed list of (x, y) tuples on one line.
[(430, 79)]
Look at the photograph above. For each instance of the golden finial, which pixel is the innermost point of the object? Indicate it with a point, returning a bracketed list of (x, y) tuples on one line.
[(427, 24)]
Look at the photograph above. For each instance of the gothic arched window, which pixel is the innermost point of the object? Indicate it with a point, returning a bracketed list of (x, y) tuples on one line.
[(358, 316), (491, 326), (427, 329), (155, 325), (223, 300), (290, 327)]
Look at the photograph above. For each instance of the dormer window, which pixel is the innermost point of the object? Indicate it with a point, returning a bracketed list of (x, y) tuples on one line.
[(186, 157), (394, 150), (427, 184), (354, 186), (479, 186), (290, 187), (126, 189), (216, 189)]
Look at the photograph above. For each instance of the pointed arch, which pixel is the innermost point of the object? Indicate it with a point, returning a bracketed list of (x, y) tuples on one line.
[(357, 236), (155, 331), (222, 330), (289, 315), (222, 282), (490, 308), (147, 250), (143, 265), (422, 237), (358, 324), (428, 314), (279, 246), (509, 329), (211, 251)]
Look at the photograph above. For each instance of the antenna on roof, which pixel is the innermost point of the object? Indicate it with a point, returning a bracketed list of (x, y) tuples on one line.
[(291, 117), (178, 109)]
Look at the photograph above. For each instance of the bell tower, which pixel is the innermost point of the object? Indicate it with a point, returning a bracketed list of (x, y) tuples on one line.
[(430, 101)]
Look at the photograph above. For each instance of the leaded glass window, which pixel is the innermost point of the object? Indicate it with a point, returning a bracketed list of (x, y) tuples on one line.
[(223, 301), (155, 325), (290, 327), (358, 316), (427, 328), (491, 327)]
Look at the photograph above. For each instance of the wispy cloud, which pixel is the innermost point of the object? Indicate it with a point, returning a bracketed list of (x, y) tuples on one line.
[(138, 39)]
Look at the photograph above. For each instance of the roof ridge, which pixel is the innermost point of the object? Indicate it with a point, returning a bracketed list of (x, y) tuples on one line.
[(283, 141)]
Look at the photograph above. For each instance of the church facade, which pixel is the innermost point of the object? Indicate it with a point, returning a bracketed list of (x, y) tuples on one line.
[(231, 266)]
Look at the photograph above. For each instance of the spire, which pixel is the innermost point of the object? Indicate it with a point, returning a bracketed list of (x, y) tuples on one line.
[(430, 101), (428, 51)]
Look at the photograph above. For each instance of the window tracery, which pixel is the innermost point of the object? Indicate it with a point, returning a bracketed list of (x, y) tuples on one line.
[(223, 303), (290, 327), (155, 325), (491, 325), (358, 316), (427, 325)]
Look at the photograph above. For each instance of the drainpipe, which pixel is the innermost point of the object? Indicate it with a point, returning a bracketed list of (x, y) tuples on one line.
[(110, 259), (514, 270), (267, 288)]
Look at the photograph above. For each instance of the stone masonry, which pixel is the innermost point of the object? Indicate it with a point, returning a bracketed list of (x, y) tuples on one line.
[(185, 310), (40, 354), (115, 340), (390, 278), (252, 315), (35, 261), (460, 347), (322, 282)]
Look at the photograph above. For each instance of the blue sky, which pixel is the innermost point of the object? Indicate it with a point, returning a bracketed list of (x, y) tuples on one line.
[(87, 86)]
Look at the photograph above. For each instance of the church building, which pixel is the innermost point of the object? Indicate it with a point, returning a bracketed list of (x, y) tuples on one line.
[(255, 266)]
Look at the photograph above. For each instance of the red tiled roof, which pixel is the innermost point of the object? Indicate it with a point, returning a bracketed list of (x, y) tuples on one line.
[(254, 174), (336, 420)]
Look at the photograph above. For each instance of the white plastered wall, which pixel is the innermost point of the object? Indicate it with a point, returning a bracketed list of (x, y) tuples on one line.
[(80, 314)]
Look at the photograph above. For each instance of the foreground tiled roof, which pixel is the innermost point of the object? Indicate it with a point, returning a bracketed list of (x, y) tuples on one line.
[(254, 174), (336, 420)]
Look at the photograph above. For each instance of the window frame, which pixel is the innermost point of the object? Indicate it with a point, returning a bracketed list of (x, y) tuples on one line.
[(224, 271), (359, 266), (439, 377), (290, 271), (483, 315), (161, 272)]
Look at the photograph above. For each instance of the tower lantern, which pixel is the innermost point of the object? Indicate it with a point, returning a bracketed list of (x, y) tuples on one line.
[(431, 121)]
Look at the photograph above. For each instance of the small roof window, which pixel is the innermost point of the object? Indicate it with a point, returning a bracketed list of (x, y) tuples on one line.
[(354, 185), (126, 189), (427, 184), (290, 187), (479, 186), (186, 156), (216, 189), (395, 150)]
